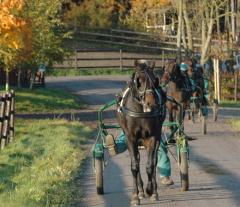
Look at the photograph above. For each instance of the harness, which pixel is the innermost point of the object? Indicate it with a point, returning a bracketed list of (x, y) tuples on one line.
[(175, 79), (123, 109), (158, 112)]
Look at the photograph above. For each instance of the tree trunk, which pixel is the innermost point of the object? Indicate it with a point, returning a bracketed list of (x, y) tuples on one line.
[(203, 31), (188, 28), (205, 45), (179, 31), (31, 81), (184, 39), (218, 22), (7, 80), (233, 19), (19, 78)]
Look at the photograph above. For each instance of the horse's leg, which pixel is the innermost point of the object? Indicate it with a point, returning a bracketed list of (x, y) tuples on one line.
[(151, 189), (141, 194), (180, 116), (171, 118), (133, 152), (154, 196)]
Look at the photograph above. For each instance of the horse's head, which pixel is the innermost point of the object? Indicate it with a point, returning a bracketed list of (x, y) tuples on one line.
[(170, 72), (145, 84), (190, 70)]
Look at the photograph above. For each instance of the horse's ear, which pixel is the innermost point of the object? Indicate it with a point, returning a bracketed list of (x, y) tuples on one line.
[(135, 63), (157, 82), (152, 65), (163, 68)]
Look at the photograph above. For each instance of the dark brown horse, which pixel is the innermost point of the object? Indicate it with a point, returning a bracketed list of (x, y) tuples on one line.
[(176, 87), (141, 113), (198, 99)]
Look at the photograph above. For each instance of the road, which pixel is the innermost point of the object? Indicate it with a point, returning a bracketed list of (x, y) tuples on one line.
[(214, 158)]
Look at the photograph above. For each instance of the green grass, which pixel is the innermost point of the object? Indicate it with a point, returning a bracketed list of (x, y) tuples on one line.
[(99, 71), (79, 72), (39, 167), (227, 103), (46, 100), (235, 123)]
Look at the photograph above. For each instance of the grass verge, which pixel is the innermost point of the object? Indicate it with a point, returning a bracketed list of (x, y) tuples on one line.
[(37, 168), (79, 72), (227, 103), (46, 100), (91, 71), (235, 123)]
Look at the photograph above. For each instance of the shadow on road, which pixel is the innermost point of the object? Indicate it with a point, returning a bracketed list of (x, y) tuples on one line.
[(81, 85), (226, 181), (115, 192), (221, 190)]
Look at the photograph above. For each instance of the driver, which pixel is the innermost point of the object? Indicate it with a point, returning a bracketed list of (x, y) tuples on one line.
[(164, 166), (187, 82)]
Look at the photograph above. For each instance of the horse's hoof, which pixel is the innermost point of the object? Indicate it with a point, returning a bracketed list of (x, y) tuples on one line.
[(149, 190), (135, 201), (141, 195), (154, 197)]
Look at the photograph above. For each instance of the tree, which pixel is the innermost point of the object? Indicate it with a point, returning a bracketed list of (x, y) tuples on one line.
[(15, 35), (140, 9), (97, 13)]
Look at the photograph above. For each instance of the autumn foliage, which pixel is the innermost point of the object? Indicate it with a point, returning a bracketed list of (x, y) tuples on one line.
[(15, 33)]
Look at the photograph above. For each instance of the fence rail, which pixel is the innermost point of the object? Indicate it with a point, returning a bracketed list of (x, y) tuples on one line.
[(107, 59), (230, 86), (7, 111), (135, 39)]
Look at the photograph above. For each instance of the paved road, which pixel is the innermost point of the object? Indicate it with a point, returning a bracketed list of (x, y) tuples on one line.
[(214, 159)]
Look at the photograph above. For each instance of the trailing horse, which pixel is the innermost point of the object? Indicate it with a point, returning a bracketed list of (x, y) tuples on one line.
[(140, 114), (177, 87)]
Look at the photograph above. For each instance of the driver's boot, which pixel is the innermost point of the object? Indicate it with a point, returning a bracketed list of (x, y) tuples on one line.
[(111, 145)]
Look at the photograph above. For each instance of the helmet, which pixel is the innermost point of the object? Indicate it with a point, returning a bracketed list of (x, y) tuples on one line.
[(183, 67)]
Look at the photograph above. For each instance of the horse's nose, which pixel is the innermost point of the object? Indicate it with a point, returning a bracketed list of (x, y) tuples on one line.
[(147, 107)]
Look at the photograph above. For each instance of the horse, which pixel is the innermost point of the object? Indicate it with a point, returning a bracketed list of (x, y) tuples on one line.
[(175, 85), (198, 99), (140, 114)]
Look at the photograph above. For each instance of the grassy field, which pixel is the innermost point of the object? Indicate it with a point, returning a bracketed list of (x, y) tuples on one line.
[(46, 100), (37, 169), (227, 103), (79, 72), (235, 123)]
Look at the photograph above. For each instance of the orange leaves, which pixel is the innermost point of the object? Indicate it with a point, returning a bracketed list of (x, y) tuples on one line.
[(14, 31), (12, 4), (165, 2)]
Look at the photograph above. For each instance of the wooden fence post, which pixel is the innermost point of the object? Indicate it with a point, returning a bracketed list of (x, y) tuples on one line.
[(76, 59), (163, 58), (121, 62), (5, 134), (12, 113), (218, 81), (2, 113), (235, 86)]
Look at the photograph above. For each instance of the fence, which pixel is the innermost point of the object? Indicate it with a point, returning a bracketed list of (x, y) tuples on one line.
[(7, 111), (108, 59), (230, 86), (151, 41)]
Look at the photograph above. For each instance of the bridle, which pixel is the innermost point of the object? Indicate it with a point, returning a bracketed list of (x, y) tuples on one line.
[(170, 76), (140, 97)]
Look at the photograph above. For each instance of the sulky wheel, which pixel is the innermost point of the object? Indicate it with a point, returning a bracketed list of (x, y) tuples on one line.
[(215, 111), (204, 124), (193, 117), (99, 175), (184, 171)]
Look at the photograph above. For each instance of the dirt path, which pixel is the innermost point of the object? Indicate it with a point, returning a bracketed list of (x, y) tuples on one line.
[(214, 159)]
